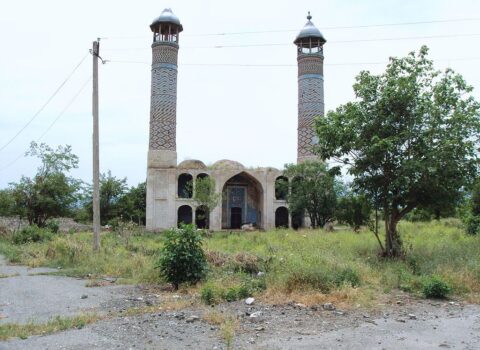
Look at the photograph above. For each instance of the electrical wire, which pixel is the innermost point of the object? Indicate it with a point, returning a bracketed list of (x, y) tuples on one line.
[(329, 42), (45, 104), (72, 100), (289, 65), (323, 28)]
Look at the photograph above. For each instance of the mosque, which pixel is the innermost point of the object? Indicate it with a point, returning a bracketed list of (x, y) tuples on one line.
[(248, 195)]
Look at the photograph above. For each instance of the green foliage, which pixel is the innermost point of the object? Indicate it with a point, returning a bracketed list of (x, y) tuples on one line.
[(305, 262), (435, 287), (215, 292), (408, 139), (32, 234), (473, 224), (471, 216), (312, 191), (132, 205), (211, 294), (353, 210), (205, 197), (111, 192), (53, 226), (50, 193), (182, 258), (7, 203)]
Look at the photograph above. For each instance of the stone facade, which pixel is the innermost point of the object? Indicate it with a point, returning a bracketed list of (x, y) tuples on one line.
[(248, 195)]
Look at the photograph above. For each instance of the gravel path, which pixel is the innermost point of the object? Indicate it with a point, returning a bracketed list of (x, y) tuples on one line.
[(402, 322), (27, 296)]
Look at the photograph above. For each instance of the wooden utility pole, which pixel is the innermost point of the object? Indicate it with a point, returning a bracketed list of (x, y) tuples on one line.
[(96, 161)]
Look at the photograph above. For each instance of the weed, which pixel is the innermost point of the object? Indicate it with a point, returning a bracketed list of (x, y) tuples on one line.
[(435, 287)]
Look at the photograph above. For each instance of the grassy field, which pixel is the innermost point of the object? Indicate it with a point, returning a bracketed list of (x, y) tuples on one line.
[(308, 266)]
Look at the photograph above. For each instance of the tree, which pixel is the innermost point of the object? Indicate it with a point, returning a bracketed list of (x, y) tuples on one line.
[(111, 192), (182, 258), (409, 139), (205, 196), (472, 215), (353, 210), (7, 203), (311, 191), (50, 193), (132, 205)]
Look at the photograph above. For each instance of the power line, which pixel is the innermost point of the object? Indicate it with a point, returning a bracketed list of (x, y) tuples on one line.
[(45, 104), (323, 28), (288, 65), (52, 123), (443, 36)]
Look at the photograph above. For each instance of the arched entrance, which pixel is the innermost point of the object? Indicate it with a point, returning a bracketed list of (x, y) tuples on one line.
[(242, 202), (281, 217), (184, 215)]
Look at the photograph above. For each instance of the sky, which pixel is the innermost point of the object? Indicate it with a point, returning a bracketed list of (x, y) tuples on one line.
[(235, 103)]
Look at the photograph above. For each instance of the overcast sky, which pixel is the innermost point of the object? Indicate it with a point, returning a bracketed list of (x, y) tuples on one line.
[(244, 113)]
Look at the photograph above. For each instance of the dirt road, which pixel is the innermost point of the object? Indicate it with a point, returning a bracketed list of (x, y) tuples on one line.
[(408, 323)]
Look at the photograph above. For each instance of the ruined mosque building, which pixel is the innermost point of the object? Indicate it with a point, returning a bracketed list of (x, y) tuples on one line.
[(249, 196)]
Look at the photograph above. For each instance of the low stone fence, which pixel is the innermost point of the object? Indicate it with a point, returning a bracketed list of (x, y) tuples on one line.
[(65, 224)]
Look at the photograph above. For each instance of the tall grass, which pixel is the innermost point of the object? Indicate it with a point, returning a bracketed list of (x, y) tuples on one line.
[(316, 263)]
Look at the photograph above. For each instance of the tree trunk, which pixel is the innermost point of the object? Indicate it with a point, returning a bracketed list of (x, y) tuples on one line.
[(393, 243)]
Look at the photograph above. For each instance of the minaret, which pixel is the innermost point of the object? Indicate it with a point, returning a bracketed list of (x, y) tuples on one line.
[(162, 150), (309, 44)]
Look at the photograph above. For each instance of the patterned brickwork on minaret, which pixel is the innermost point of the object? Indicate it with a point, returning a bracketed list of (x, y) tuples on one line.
[(163, 105), (309, 44), (310, 102)]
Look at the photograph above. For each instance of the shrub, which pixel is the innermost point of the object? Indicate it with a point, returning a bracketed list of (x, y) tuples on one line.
[(53, 226), (182, 258), (435, 287), (231, 295), (31, 234), (347, 276), (211, 295), (473, 224)]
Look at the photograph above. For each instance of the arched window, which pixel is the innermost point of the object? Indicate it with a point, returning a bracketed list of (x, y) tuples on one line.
[(281, 187), (281, 217), (184, 215), (185, 186), (202, 176)]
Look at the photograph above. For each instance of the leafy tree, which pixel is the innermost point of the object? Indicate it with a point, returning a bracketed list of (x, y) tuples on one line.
[(312, 191), (182, 258), (7, 203), (132, 205), (409, 139), (353, 210), (472, 215), (205, 196), (50, 193), (111, 192)]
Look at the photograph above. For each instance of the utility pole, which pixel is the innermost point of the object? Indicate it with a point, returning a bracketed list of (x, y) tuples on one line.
[(96, 160)]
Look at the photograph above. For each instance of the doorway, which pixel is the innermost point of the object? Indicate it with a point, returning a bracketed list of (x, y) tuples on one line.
[(236, 217)]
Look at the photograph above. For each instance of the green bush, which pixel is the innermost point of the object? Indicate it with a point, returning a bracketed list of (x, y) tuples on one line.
[(346, 276), (53, 226), (473, 224), (211, 295), (182, 258), (31, 234), (232, 294), (435, 287)]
